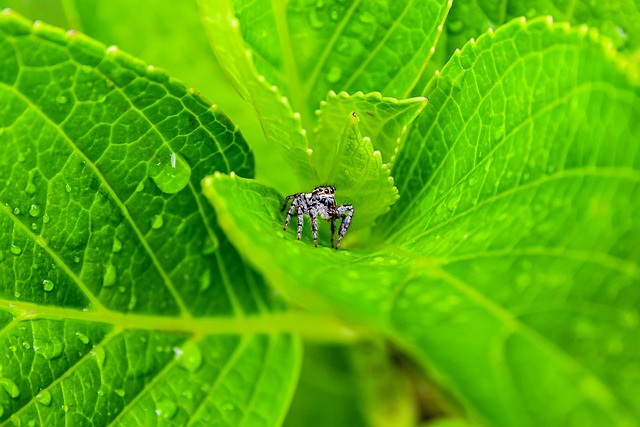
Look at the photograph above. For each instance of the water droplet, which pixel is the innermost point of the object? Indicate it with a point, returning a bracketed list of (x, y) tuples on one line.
[(210, 245), (109, 278), (205, 280), (52, 349), (132, 302), (30, 189), (173, 176), (67, 188), (454, 27), (166, 409), (157, 222), (117, 245), (26, 344), (45, 218), (334, 74), (34, 210), (16, 211), (61, 99), (13, 348), (16, 250), (44, 397), (16, 294), (335, 15), (76, 259), (65, 408), (10, 387), (367, 18), (140, 187), (47, 285), (314, 19), (191, 359), (452, 203), (34, 226), (82, 337), (120, 392)]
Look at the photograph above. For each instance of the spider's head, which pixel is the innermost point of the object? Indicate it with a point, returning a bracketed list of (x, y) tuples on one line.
[(324, 193), (324, 190)]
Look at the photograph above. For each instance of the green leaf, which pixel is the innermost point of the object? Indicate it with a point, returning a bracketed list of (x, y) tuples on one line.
[(120, 298), (357, 138), (616, 19), (510, 267), (307, 48), (282, 128), (169, 35), (383, 120)]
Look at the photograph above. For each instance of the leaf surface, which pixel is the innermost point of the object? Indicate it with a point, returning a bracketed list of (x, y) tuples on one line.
[(616, 19), (509, 269), (121, 301)]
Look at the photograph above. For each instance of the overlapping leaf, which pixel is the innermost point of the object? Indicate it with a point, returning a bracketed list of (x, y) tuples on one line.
[(305, 49), (513, 250), (121, 300)]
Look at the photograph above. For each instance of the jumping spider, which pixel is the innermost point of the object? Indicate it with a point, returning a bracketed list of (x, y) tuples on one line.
[(320, 202)]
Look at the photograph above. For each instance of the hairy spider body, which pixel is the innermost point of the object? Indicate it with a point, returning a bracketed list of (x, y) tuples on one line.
[(321, 203)]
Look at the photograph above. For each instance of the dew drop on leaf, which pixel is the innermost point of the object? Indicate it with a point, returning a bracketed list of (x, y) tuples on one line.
[(314, 19), (454, 27), (16, 294), (334, 74), (76, 259), (117, 245), (16, 211), (166, 409), (30, 189), (16, 250), (110, 274), (157, 222), (45, 218), (171, 176), (34, 210), (67, 188), (120, 392), (47, 285), (61, 99), (82, 337), (10, 387), (367, 18), (52, 349), (44, 397), (335, 15), (205, 280), (191, 359)]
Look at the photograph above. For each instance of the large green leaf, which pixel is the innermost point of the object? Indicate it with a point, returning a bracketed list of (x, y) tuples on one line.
[(120, 299), (617, 19), (286, 56), (509, 269)]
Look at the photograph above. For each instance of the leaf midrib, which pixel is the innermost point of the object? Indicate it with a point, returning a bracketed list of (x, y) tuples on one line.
[(309, 325)]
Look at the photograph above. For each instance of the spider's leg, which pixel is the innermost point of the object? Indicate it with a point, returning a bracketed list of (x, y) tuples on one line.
[(286, 200), (292, 209), (300, 222), (333, 229), (346, 213), (314, 228)]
